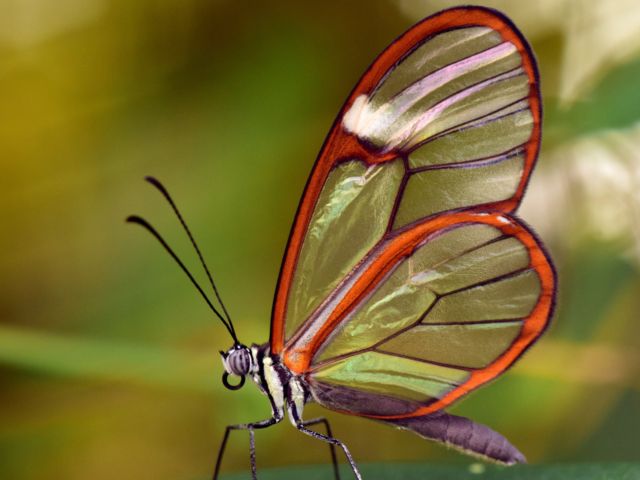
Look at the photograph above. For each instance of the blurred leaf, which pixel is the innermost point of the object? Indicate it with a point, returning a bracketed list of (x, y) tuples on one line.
[(476, 471), (612, 104), (104, 360), (598, 36), (593, 280)]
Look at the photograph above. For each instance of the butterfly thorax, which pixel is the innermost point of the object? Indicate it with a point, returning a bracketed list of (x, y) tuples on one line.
[(284, 389)]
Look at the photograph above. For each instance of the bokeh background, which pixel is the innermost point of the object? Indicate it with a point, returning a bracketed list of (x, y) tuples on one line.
[(108, 358)]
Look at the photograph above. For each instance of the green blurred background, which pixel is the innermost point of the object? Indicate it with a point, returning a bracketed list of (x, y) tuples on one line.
[(108, 358)]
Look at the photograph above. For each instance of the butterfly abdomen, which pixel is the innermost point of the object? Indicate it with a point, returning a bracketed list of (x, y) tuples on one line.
[(463, 434)]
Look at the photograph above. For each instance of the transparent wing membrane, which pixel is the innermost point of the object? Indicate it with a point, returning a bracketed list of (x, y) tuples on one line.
[(436, 190), (433, 55), (491, 136), (476, 345), (394, 375), (350, 218)]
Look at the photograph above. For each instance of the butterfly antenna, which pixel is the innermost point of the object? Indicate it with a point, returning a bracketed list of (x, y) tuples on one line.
[(156, 183), (143, 223)]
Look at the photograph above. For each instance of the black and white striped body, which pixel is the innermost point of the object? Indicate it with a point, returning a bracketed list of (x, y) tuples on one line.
[(284, 390)]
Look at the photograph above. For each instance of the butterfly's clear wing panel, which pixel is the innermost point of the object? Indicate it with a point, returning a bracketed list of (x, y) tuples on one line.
[(457, 311), (447, 118), (351, 216)]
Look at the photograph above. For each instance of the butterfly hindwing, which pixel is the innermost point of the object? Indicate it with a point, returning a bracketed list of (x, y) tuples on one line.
[(432, 315)]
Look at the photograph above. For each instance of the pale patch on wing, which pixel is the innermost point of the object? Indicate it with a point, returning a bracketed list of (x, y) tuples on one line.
[(356, 118)]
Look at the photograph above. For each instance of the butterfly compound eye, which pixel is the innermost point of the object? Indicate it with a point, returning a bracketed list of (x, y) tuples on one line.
[(238, 361)]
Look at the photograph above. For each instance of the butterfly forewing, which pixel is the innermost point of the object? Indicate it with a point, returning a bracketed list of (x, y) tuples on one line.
[(384, 288)]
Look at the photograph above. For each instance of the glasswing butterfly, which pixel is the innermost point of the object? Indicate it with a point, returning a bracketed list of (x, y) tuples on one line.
[(408, 281)]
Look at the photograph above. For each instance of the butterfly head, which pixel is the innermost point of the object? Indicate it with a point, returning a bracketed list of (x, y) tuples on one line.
[(236, 361)]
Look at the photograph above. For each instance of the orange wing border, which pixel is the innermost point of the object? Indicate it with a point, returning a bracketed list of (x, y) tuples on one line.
[(339, 144)]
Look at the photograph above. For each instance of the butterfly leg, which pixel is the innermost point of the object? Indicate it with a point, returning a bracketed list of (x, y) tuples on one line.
[(331, 440), (250, 427), (332, 447)]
